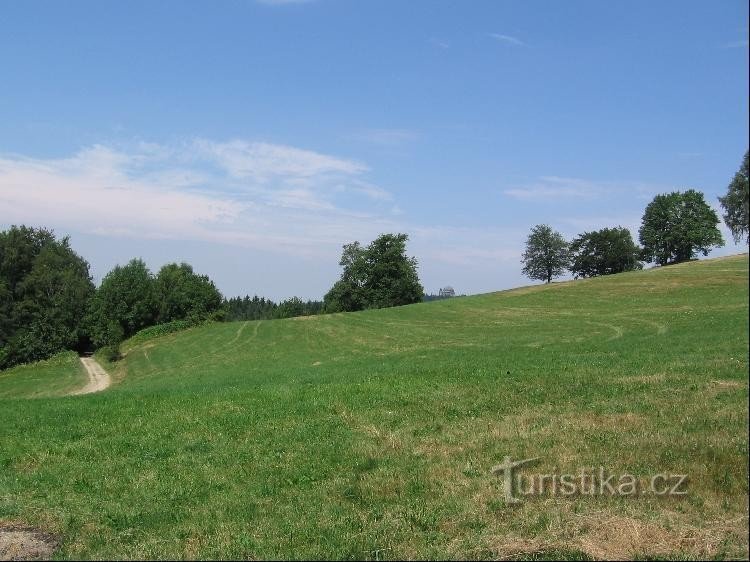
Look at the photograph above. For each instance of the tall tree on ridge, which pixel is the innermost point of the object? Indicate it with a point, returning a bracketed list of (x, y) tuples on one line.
[(737, 201), (547, 254), (678, 225)]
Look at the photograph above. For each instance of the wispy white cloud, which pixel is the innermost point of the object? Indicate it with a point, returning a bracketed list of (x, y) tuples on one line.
[(93, 190), (553, 187), (254, 194), (273, 198), (557, 188), (263, 161), (372, 191), (509, 39), (385, 137)]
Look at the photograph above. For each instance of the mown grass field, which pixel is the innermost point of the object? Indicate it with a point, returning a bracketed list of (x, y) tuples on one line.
[(371, 435)]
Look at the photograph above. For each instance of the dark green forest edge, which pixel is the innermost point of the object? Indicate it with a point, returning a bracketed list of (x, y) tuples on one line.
[(48, 301)]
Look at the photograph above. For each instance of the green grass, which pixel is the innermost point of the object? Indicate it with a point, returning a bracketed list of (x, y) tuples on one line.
[(56, 376), (371, 435)]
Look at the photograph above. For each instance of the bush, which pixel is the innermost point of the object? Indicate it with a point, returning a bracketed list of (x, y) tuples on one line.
[(161, 330), (111, 353)]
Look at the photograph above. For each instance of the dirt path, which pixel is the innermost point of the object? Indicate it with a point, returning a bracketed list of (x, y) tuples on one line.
[(98, 377), (18, 542)]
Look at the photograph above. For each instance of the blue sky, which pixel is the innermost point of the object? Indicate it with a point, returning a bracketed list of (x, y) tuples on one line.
[(254, 138)]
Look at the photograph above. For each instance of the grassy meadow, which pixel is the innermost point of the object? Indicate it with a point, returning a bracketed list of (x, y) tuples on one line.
[(371, 435)]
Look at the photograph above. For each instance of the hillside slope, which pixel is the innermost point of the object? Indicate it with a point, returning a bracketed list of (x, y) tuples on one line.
[(372, 434), (57, 376)]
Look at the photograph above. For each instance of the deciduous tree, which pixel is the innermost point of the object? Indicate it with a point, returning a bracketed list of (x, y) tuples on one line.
[(603, 252), (735, 202), (547, 254), (678, 225), (182, 294), (124, 303), (45, 289), (380, 275)]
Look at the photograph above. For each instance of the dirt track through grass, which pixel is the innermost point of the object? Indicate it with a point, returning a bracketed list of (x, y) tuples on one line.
[(98, 378)]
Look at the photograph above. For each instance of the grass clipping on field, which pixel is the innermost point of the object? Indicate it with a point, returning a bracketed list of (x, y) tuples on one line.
[(603, 536), (20, 542)]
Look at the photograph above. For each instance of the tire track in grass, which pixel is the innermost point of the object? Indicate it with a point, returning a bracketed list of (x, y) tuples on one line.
[(618, 330), (661, 329), (239, 333), (208, 352)]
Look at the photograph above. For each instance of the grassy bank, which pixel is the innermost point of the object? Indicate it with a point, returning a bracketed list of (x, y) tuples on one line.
[(57, 376)]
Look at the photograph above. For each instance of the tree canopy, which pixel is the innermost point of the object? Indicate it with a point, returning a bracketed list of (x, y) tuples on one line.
[(603, 252), (131, 298), (181, 294), (125, 302), (377, 276), (735, 203), (259, 308), (678, 225), (246, 308), (547, 254), (44, 292)]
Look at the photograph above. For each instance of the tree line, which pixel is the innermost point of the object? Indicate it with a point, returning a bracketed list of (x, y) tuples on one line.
[(259, 308), (375, 276), (48, 301), (675, 227), (131, 298)]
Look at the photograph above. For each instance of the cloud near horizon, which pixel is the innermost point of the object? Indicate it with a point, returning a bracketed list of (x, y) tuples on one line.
[(258, 195), (237, 192), (299, 204), (557, 188)]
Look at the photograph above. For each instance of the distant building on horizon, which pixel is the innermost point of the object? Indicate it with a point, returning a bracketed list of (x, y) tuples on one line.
[(446, 292)]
